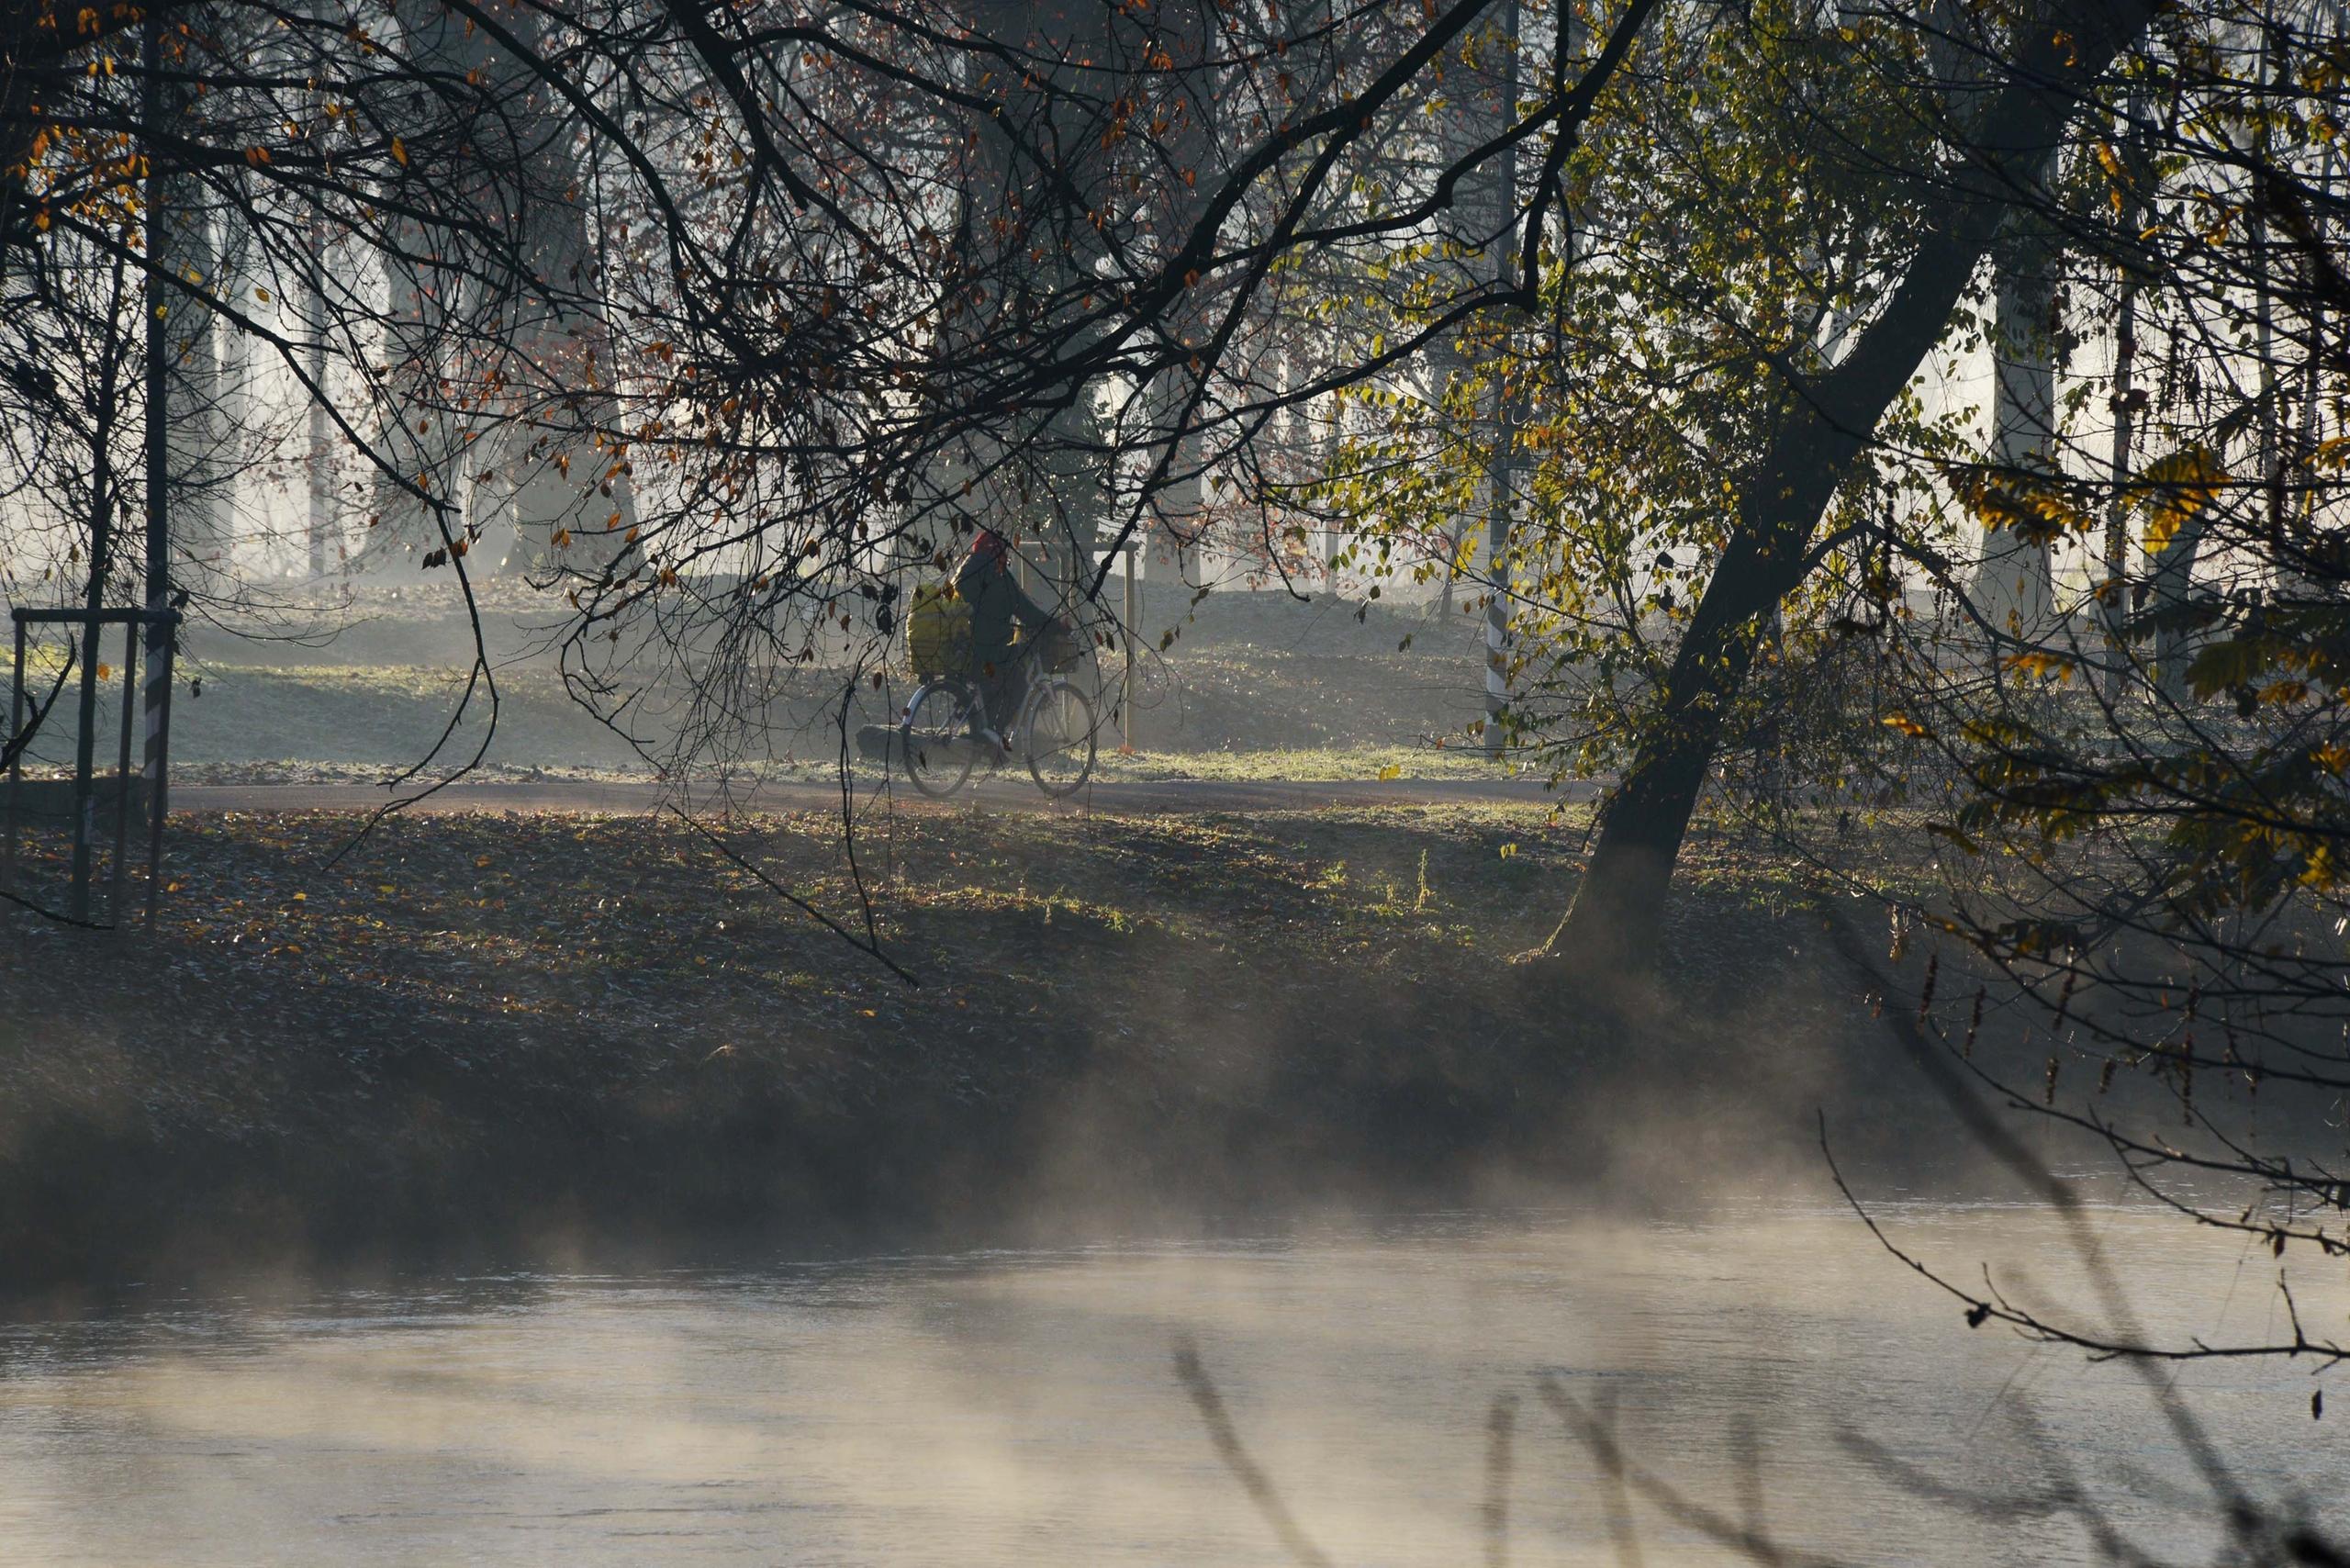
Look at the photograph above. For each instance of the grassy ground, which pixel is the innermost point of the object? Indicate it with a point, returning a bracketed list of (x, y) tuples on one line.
[(1312, 765), (1251, 686), (480, 1031)]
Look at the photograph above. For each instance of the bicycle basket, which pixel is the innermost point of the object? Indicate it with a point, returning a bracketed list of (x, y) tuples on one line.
[(1059, 652)]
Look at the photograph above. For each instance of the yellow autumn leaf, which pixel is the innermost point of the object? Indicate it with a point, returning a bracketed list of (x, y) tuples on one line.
[(1392, 770), (2176, 488), (399, 152), (2039, 663), (2036, 510)]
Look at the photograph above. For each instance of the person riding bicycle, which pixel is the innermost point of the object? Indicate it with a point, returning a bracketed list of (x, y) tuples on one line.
[(985, 582)]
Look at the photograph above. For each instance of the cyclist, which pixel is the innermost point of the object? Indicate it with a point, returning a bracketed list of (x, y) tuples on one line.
[(985, 582)]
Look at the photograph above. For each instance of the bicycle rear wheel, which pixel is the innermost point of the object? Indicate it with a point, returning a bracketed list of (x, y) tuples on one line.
[(1059, 728), (934, 739)]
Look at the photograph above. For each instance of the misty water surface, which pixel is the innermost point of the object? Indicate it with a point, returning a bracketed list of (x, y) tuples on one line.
[(1021, 1408)]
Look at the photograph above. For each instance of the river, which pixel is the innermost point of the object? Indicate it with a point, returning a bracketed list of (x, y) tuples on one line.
[(1022, 1407)]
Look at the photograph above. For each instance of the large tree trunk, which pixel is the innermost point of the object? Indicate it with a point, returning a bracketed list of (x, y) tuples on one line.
[(200, 469), (2015, 589), (1617, 914), (2173, 586)]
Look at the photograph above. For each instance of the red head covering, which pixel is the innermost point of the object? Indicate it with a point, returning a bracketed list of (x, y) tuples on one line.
[(989, 546)]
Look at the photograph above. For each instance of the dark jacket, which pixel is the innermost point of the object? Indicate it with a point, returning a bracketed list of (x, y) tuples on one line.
[(996, 603)]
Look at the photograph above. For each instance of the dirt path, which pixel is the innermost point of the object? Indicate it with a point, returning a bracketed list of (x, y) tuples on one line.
[(1173, 797)]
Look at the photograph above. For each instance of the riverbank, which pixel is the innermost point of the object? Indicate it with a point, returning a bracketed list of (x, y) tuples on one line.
[(512, 1036)]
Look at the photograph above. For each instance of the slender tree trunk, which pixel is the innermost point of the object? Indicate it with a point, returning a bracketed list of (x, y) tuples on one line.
[(318, 460), (2113, 599), (1501, 475), (2271, 423), (156, 580), (87, 637), (2114, 595)]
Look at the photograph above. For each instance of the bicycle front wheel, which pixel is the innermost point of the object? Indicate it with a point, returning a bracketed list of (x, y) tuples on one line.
[(934, 739), (1060, 729)]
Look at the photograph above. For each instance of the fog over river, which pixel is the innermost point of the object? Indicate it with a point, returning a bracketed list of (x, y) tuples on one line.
[(1024, 1408)]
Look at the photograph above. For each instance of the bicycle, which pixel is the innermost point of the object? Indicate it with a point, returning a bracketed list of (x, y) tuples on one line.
[(943, 734)]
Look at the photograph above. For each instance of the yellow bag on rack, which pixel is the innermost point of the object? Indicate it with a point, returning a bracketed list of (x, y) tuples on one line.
[(938, 630)]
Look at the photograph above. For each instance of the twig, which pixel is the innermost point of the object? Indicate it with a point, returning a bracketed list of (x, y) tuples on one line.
[(871, 949)]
